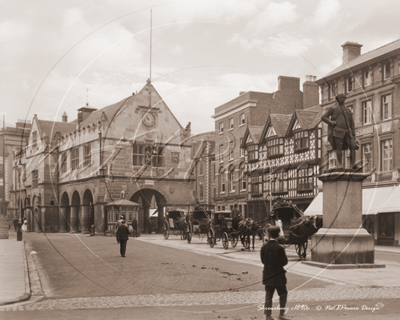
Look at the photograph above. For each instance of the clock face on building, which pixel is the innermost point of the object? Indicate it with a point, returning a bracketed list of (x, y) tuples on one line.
[(149, 119)]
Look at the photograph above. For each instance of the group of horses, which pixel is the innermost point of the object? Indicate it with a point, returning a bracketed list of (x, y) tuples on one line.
[(297, 234)]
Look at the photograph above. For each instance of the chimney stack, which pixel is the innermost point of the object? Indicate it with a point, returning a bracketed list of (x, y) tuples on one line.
[(64, 117), (351, 50), (310, 92)]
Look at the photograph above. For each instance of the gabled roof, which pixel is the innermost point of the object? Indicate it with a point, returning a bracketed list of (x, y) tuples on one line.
[(113, 110), (254, 132), (280, 123), (49, 128), (307, 118), (363, 60)]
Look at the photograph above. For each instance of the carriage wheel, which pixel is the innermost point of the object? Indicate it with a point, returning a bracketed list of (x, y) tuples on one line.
[(166, 230), (234, 242), (211, 238), (246, 242), (225, 241), (188, 232)]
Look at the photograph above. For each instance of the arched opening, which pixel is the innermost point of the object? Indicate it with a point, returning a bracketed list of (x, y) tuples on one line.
[(75, 212), (65, 214), (151, 211), (87, 212)]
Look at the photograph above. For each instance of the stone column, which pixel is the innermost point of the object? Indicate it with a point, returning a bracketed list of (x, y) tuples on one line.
[(63, 219), (74, 219), (160, 219), (342, 240), (84, 221), (100, 221)]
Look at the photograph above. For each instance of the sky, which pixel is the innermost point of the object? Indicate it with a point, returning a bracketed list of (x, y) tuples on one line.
[(56, 56)]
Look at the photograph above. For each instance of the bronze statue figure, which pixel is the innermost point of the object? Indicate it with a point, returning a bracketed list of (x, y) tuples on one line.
[(341, 130)]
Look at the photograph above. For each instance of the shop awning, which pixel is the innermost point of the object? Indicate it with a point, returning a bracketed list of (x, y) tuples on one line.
[(374, 200), (392, 204), (315, 207)]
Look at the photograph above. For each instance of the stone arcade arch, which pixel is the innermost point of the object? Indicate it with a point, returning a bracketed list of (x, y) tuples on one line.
[(144, 198), (75, 212), (87, 211), (64, 213)]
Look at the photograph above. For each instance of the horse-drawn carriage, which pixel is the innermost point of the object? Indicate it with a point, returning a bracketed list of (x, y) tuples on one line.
[(177, 223), (229, 229), (295, 227)]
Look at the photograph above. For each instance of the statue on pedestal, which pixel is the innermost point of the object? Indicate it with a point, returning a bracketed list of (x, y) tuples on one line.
[(341, 130)]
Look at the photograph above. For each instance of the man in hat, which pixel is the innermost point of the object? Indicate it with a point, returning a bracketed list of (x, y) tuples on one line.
[(123, 237), (273, 256), (341, 130)]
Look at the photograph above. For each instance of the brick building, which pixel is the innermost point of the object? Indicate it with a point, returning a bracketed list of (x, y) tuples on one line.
[(371, 82), (13, 138), (203, 169), (250, 110), (134, 149)]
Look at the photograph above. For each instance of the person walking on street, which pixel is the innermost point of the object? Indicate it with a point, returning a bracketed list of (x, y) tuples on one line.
[(134, 227), (15, 221), (274, 258), (123, 237)]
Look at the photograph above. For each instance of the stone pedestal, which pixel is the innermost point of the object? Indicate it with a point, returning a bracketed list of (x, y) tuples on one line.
[(342, 241)]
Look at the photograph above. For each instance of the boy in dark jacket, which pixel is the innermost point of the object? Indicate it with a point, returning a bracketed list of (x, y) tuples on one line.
[(273, 256), (123, 237)]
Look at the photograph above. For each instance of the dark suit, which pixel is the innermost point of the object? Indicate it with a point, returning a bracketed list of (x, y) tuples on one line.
[(273, 256), (122, 238), (341, 130)]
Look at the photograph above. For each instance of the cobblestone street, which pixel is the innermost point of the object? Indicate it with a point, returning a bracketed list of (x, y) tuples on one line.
[(208, 299)]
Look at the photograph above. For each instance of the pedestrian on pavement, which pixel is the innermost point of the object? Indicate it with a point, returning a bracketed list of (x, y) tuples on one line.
[(119, 222), (25, 226), (15, 224), (274, 258), (123, 237), (134, 227)]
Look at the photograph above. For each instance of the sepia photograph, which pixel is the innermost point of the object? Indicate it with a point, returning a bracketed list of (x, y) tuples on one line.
[(205, 160)]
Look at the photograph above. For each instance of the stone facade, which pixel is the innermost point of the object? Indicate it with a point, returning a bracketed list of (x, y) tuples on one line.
[(371, 82), (135, 147)]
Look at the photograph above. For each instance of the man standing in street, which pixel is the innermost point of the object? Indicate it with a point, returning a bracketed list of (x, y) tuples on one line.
[(123, 237), (273, 256)]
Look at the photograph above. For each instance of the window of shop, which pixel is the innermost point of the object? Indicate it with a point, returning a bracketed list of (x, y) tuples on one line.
[(366, 151), (301, 140), (222, 177), (386, 225), (242, 180), (87, 155), (366, 112), (386, 107), (221, 153), (74, 158), (275, 147), (231, 124), (221, 127), (232, 181)]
